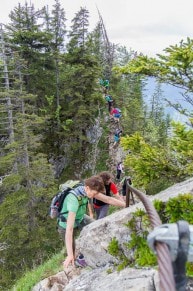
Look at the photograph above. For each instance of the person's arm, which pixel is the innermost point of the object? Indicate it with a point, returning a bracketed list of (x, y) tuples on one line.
[(91, 214), (69, 239), (110, 200), (114, 190), (122, 181), (119, 197)]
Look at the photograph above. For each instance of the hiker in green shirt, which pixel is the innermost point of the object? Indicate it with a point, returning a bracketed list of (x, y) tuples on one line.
[(74, 214)]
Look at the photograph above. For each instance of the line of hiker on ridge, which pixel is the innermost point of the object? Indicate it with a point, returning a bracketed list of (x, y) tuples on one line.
[(114, 112), (91, 198)]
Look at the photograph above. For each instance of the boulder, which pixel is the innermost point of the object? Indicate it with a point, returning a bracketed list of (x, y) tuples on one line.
[(101, 274)]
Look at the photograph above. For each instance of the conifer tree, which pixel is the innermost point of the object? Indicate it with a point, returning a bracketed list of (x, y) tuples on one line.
[(31, 43), (24, 187), (128, 94), (103, 49), (157, 123), (80, 78), (174, 68), (57, 27)]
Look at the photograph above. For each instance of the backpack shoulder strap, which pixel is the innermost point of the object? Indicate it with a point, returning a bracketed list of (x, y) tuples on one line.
[(78, 194)]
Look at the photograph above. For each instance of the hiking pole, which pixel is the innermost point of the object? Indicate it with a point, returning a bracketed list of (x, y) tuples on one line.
[(179, 239)]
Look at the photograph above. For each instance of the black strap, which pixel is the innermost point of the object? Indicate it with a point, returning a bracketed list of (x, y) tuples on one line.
[(107, 193), (179, 265), (61, 216)]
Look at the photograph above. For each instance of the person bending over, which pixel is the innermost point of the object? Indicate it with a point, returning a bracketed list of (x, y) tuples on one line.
[(74, 217), (101, 208)]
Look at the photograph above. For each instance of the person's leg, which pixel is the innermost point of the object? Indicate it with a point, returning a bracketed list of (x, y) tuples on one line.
[(118, 174), (62, 233), (87, 219), (97, 211), (103, 211), (109, 106)]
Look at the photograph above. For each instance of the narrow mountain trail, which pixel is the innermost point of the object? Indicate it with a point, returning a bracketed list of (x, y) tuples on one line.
[(116, 152)]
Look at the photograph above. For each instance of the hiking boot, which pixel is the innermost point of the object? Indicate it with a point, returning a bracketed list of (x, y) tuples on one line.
[(80, 262)]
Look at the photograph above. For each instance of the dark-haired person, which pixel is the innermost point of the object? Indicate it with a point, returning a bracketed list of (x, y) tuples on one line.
[(119, 171), (74, 215), (124, 185), (109, 100), (101, 208), (117, 136)]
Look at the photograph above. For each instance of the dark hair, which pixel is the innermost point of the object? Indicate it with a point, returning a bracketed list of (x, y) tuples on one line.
[(106, 176), (95, 183), (128, 179)]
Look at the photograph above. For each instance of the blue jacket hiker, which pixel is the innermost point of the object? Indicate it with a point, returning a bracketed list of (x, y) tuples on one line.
[(117, 136), (109, 100), (104, 84)]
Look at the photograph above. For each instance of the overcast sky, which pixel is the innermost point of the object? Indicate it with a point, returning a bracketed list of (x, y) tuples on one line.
[(146, 26)]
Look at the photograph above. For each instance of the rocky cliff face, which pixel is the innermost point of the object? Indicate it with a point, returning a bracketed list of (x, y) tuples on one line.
[(93, 242), (93, 153)]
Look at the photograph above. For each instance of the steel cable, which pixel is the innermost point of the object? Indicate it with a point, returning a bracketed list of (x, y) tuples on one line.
[(165, 269)]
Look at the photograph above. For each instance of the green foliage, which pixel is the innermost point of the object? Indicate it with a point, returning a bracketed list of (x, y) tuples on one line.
[(128, 96), (57, 113), (113, 247), (103, 148), (55, 122), (182, 144), (112, 209), (189, 269), (174, 67), (114, 250), (143, 256), (160, 207), (49, 99), (109, 271), (26, 231), (158, 185), (180, 208), (156, 123), (7, 162), (33, 42), (31, 278), (175, 209), (169, 212), (124, 263), (155, 167), (147, 163), (139, 226)]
